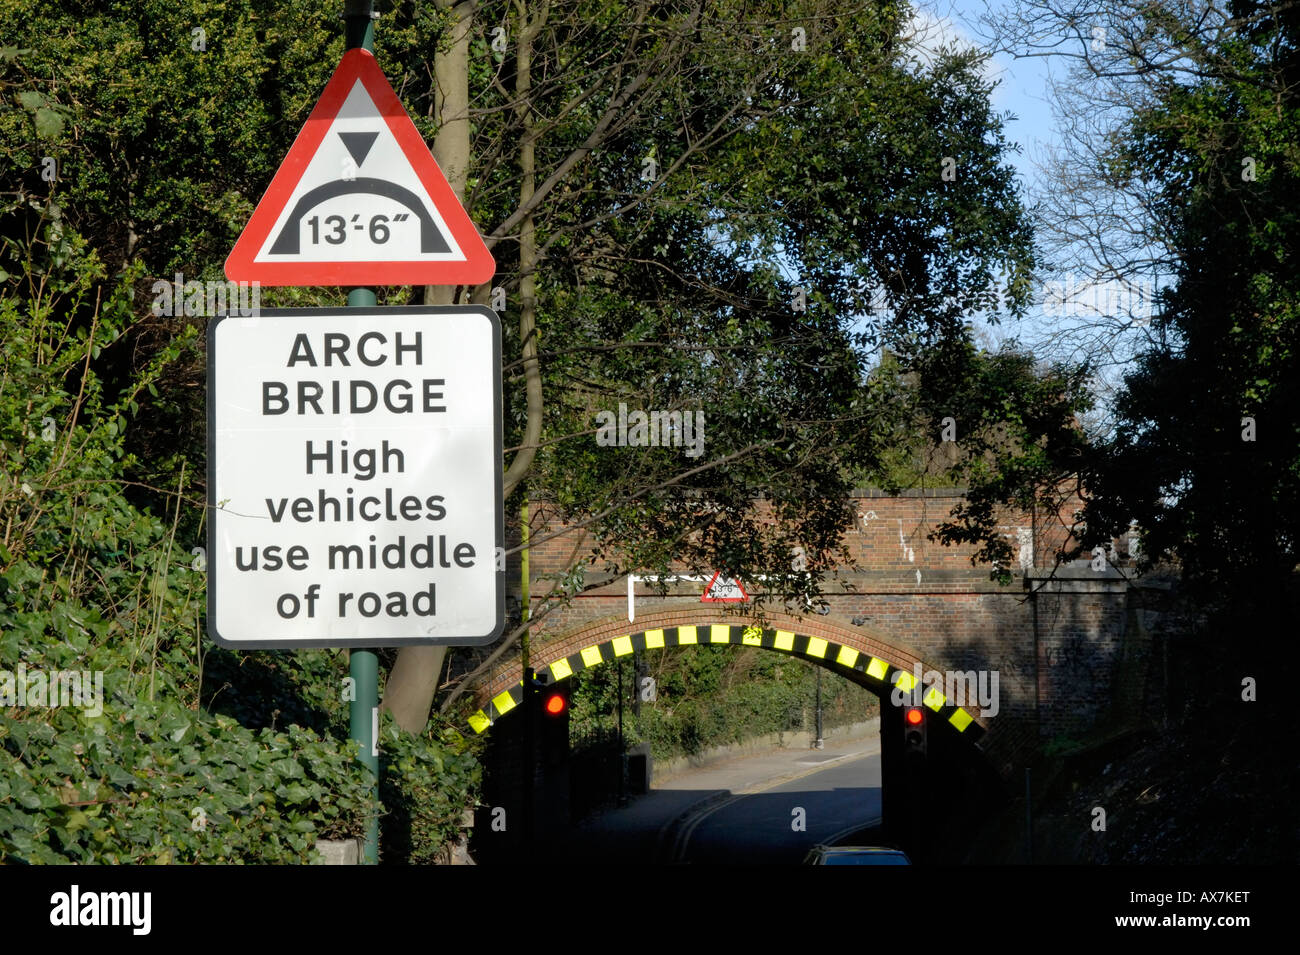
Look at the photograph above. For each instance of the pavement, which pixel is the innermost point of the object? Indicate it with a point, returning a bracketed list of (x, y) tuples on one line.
[(758, 771)]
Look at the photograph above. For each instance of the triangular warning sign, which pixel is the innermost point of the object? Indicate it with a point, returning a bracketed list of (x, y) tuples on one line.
[(359, 200), (723, 590)]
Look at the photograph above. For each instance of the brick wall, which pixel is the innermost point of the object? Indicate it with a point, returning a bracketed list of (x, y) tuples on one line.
[(950, 615)]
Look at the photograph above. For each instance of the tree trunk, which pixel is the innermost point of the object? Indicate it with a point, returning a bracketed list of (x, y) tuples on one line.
[(413, 680), (451, 102), (527, 252)]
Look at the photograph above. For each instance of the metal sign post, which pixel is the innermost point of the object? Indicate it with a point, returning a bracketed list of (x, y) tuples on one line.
[(363, 668), (354, 454), (363, 665)]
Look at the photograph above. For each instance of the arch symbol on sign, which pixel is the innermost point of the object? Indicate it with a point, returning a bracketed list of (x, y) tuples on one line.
[(288, 241)]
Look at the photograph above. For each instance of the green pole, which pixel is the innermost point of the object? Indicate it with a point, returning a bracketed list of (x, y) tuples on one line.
[(363, 712), (359, 25)]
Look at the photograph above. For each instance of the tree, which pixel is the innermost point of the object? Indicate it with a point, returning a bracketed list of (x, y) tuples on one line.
[(699, 206), (1014, 425), (1209, 411), (1200, 150)]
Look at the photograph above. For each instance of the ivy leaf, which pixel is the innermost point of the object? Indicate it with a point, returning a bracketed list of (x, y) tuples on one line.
[(294, 793), (175, 726), (120, 777), (49, 123)]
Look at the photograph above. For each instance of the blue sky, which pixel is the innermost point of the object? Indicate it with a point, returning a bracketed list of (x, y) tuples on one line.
[(1094, 325)]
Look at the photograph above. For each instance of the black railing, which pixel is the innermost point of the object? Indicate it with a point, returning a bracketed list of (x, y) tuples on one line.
[(595, 770)]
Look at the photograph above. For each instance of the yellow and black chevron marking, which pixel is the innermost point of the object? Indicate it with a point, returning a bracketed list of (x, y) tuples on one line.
[(869, 670)]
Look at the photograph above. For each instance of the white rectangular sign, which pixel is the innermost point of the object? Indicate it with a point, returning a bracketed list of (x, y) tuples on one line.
[(354, 477)]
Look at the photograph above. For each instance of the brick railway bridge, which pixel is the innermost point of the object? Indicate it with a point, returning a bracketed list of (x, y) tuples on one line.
[(1070, 644)]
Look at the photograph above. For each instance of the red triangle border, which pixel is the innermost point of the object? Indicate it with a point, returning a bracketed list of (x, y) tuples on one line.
[(357, 64)]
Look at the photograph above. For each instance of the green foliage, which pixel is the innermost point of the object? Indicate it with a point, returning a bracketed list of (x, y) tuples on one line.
[(162, 147), (157, 783), (1018, 441), (673, 285), (428, 782), (1203, 452), (181, 759), (714, 696)]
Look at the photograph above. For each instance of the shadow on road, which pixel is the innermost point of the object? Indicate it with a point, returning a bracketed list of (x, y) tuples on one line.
[(719, 827)]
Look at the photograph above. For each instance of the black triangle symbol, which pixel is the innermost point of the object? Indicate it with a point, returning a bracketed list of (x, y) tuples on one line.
[(358, 145)]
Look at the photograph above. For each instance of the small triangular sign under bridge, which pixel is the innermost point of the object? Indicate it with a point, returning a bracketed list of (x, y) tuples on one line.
[(724, 590), (359, 200)]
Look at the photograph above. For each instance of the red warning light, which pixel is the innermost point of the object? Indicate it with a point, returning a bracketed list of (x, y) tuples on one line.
[(914, 715), (555, 704)]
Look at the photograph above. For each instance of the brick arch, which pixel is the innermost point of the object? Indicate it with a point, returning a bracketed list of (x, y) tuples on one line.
[(865, 658)]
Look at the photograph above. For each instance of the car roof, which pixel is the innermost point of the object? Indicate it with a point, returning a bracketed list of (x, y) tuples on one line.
[(883, 854), (856, 849)]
